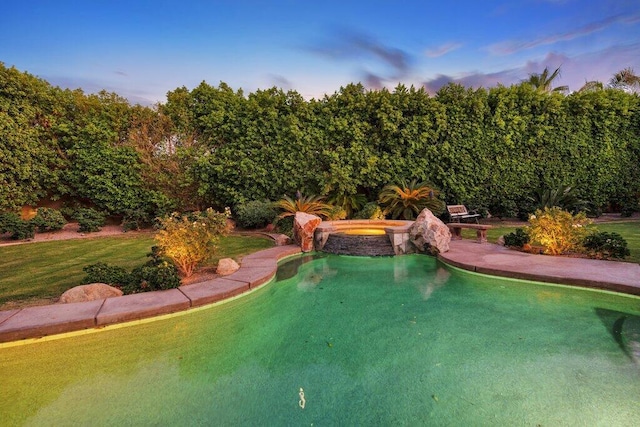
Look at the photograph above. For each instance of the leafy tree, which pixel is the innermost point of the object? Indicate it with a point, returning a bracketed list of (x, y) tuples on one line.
[(29, 160)]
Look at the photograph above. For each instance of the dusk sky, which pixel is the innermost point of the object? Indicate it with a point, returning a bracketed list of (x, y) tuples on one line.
[(143, 49)]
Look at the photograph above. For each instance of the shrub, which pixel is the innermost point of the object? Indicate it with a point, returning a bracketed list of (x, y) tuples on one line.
[(370, 211), (557, 230), (20, 229), (190, 239), (335, 213), (606, 245), (104, 273), (135, 219), (285, 226), (517, 239), (47, 219), (155, 275), (255, 214), (90, 220)]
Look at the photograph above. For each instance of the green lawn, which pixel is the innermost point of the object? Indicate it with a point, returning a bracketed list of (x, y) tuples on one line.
[(45, 270), (630, 230)]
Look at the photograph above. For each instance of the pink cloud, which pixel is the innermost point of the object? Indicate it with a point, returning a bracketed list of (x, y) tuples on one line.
[(509, 47), (575, 70), (442, 50)]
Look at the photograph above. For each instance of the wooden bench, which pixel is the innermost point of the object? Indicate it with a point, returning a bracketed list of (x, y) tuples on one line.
[(481, 230), (459, 212)]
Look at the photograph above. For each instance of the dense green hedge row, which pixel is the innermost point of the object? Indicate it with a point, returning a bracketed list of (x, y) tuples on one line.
[(213, 146)]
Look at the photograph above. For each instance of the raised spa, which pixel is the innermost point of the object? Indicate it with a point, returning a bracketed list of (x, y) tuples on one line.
[(363, 237)]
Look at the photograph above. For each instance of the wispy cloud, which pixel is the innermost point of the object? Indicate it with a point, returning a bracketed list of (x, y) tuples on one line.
[(279, 81), (121, 73), (442, 50), (575, 70), (510, 47), (390, 63)]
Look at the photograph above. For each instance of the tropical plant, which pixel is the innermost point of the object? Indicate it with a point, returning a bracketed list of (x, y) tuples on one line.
[(557, 230), (562, 196), (408, 200), (313, 205), (190, 239), (625, 80), (543, 81), (592, 86)]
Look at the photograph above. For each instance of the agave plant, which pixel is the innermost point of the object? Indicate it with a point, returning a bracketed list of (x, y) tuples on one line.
[(408, 200), (563, 196), (313, 205)]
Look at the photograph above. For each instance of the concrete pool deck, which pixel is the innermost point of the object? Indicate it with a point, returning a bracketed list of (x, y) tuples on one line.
[(258, 268)]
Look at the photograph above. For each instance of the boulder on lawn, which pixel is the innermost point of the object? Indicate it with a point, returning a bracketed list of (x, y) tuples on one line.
[(430, 235), (227, 266), (90, 292)]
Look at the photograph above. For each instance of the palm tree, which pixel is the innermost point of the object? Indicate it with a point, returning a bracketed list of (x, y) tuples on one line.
[(542, 81), (407, 200), (313, 205), (626, 80), (592, 86)]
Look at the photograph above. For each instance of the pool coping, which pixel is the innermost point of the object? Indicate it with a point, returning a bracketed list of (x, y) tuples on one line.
[(496, 260), (36, 322), (260, 267)]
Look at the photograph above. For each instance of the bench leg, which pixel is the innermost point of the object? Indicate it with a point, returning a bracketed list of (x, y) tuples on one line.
[(457, 233), (482, 236)]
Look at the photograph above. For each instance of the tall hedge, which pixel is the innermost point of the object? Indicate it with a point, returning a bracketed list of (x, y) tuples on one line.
[(215, 146)]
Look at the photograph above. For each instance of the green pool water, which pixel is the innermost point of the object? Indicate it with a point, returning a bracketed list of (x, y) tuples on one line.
[(365, 341)]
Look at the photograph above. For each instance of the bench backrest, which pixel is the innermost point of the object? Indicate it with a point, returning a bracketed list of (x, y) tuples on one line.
[(457, 210)]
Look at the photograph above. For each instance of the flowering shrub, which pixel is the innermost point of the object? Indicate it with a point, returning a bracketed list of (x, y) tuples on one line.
[(557, 230), (606, 245), (190, 239)]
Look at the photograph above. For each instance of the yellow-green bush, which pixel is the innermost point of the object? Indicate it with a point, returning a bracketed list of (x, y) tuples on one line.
[(557, 230), (190, 239)]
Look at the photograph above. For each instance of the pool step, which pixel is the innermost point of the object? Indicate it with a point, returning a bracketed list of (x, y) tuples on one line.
[(342, 244)]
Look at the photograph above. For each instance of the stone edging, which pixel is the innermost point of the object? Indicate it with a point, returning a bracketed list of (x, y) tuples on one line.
[(35, 322)]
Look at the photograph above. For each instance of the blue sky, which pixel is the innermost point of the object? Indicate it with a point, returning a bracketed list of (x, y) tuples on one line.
[(142, 49)]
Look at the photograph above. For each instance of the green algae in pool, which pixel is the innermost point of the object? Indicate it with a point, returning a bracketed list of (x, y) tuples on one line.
[(373, 341)]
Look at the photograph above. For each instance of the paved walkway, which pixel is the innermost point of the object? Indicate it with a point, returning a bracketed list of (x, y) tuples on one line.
[(258, 268), (497, 260)]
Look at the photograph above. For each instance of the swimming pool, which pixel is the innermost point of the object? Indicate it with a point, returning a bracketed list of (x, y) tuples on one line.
[(348, 340)]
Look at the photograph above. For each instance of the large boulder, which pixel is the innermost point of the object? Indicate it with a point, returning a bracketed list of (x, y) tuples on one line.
[(90, 292), (304, 226), (430, 235), (227, 266)]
